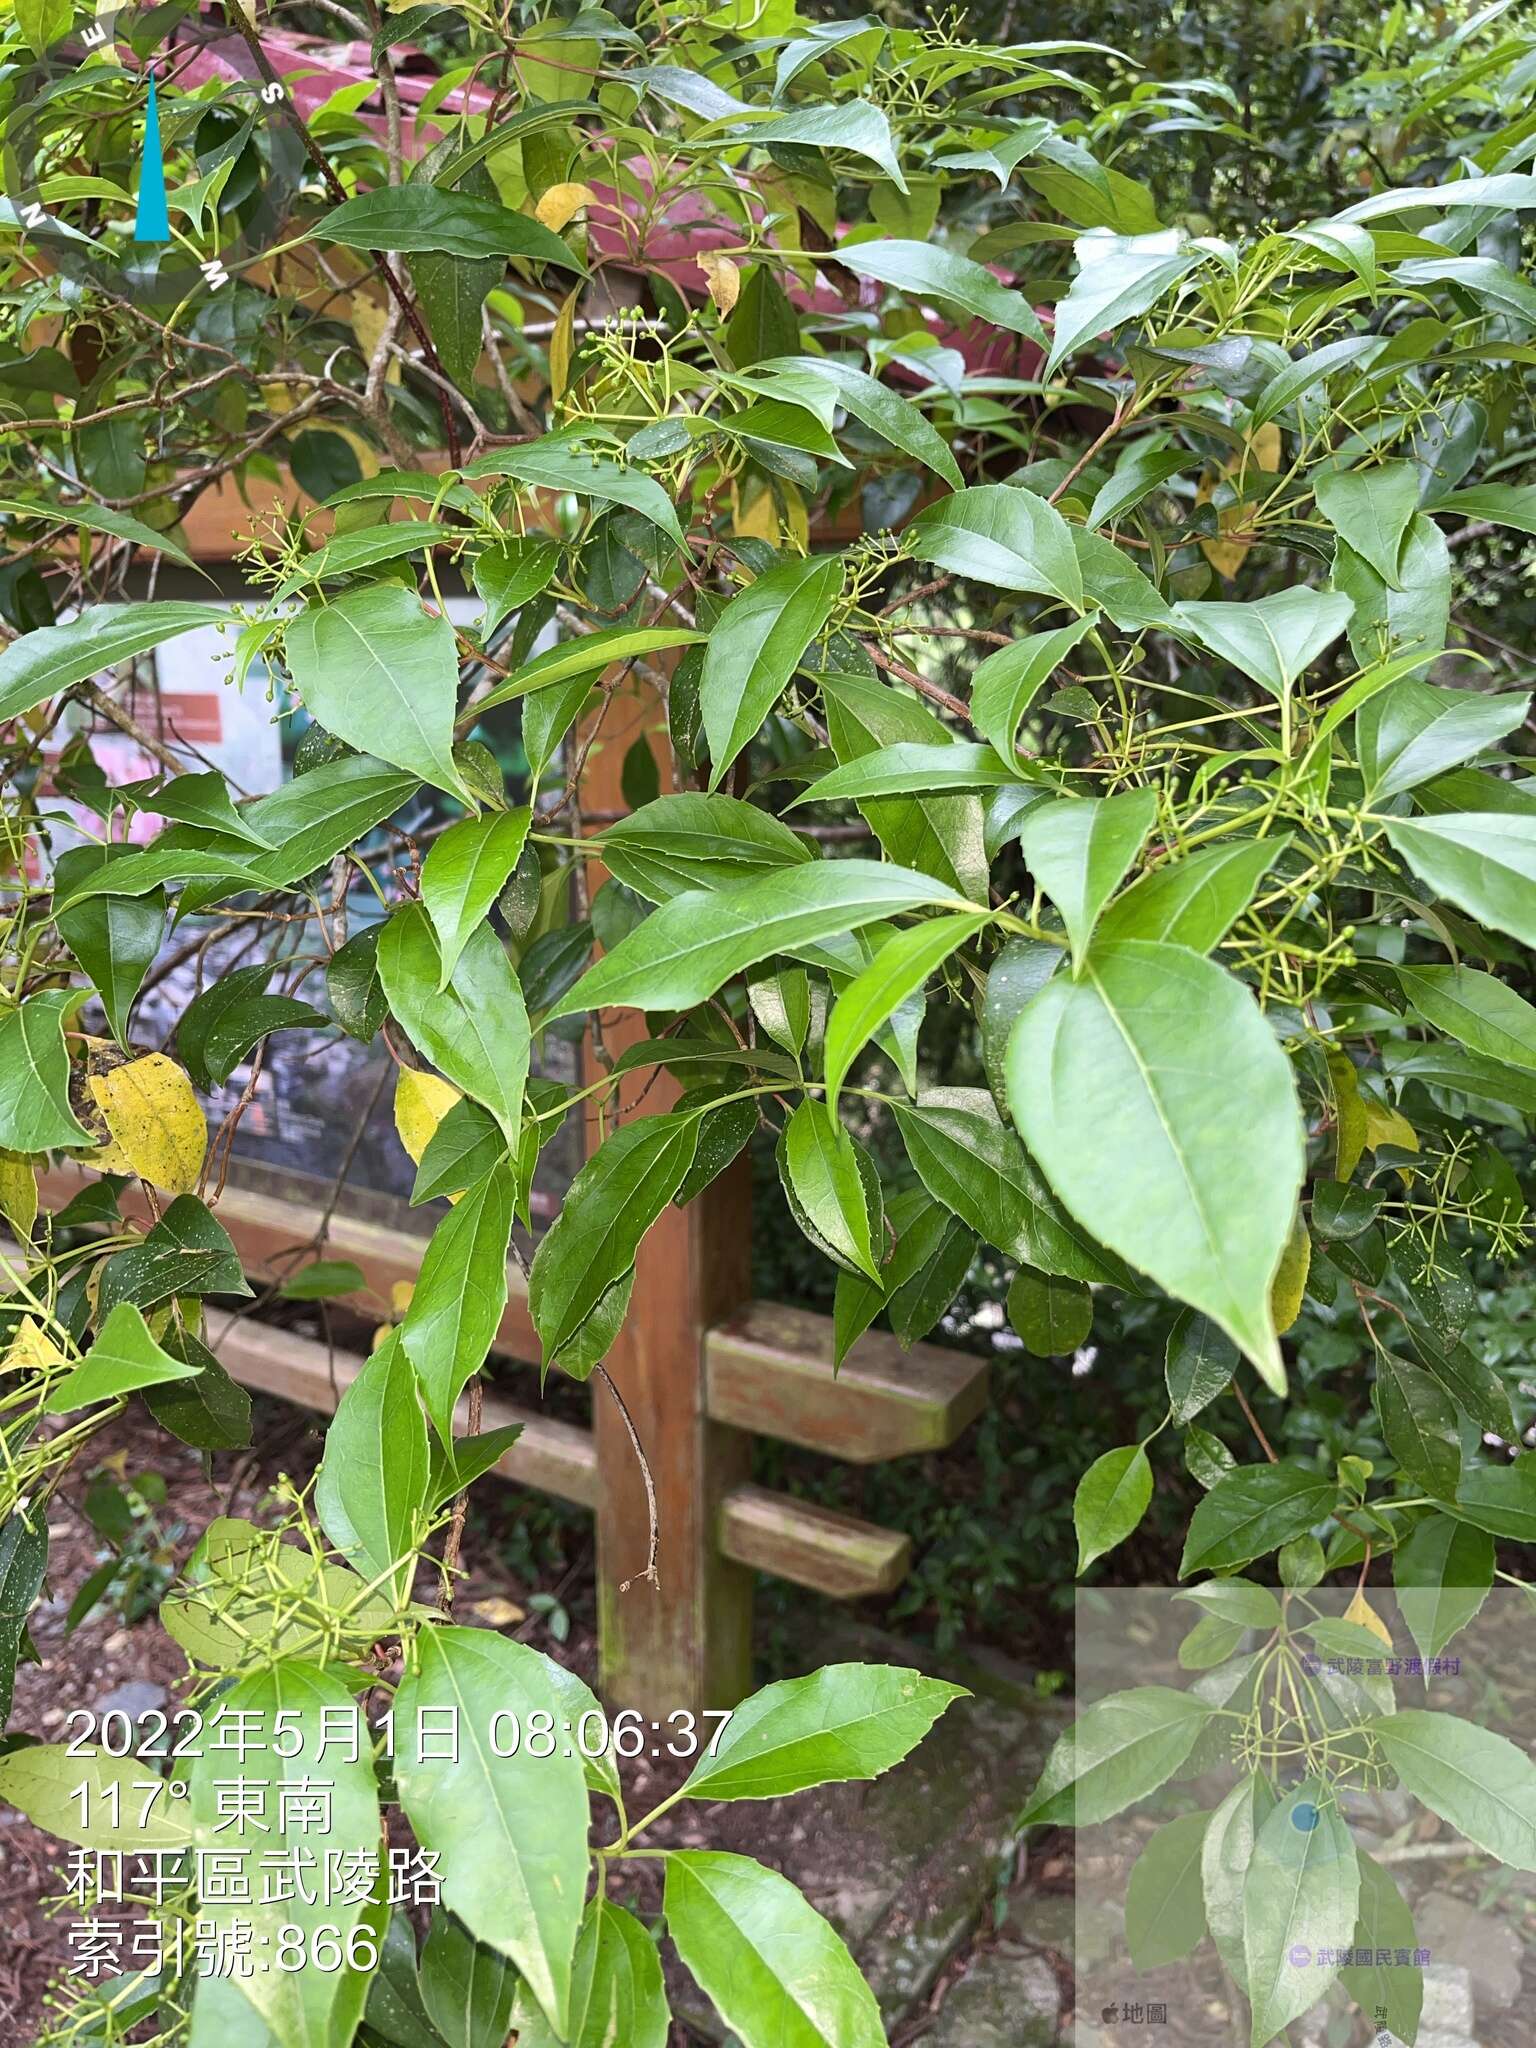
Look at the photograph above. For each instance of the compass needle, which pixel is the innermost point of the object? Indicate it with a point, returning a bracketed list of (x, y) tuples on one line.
[(152, 222)]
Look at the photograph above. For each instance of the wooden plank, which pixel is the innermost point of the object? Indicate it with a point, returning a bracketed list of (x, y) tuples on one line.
[(686, 1642), (769, 1369), (265, 1226), (812, 1546), (830, 1553), (554, 1457)]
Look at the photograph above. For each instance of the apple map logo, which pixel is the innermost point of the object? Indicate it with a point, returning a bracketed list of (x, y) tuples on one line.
[(199, 91)]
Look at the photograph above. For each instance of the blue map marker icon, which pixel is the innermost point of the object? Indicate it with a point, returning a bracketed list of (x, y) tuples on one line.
[(153, 221)]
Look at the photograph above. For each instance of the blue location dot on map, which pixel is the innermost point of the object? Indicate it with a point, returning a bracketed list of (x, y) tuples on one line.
[(1305, 1818)]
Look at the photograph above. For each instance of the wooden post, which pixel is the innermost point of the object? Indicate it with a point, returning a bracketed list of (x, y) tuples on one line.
[(686, 1643)]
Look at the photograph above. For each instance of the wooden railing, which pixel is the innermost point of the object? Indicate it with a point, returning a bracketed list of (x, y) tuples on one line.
[(762, 1370)]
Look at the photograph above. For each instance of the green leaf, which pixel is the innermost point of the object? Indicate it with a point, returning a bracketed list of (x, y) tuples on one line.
[(1007, 682), (1419, 1425), (463, 1149), (323, 1280), (775, 1971), (899, 969), (1442, 1572), (1478, 1782), (684, 951), (312, 818), (1388, 1991), (1512, 505), (617, 1992), (382, 673), (395, 2013), (510, 574), (940, 835), (219, 1027), (907, 769), (1164, 1898), (612, 1202), (115, 938), (550, 466), (1411, 620), (1413, 731), (854, 125), (101, 519), (306, 2008), (821, 1168), (1119, 278), (1138, 1142), (1482, 861), (510, 1831), (1252, 1511), (693, 841), (757, 644), (346, 553), (210, 1411), (844, 1722), (1299, 1903), (883, 410), (1112, 1496), (1238, 1602), (1079, 852), (1225, 1855), (451, 289), (968, 1160), (34, 1076), (931, 274), (372, 1485), (1480, 1010), (468, 1990), (408, 218), (475, 1029), (23, 1560), (1500, 1499), (1354, 351), (40, 664), (1272, 640), (461, 1294), (1371, 510), (188, 1252), (124, 1356), (42, 1782), (1051, 1316), (464, 873), (1199, 1364), (1112, 580), (592, 652), (1002, 534), (1019, 970), (1117, 1751)]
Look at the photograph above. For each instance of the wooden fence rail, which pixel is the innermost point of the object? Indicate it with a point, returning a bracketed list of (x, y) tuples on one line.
[(763, 1369)]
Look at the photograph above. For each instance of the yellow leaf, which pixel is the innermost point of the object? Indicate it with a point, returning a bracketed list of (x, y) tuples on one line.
[(1384, 1126), (723, 277), (32, 1349), (18, 1192), (421, 1103), (1288, 1288), (155, 1121), (756, 518), (562, 203), (1363, 1615), (369, 320), (498, 1613), (1263, 452), (1349, 1125), (562, 346)]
